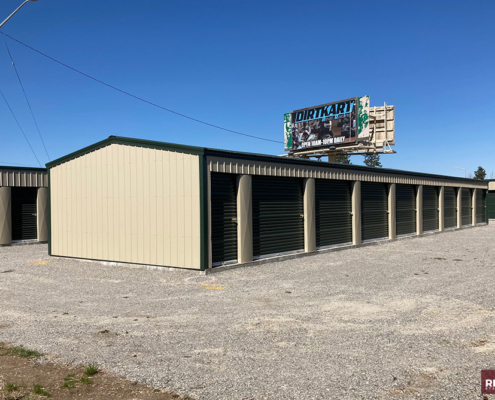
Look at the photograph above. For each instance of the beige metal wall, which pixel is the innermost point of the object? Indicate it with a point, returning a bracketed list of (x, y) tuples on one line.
[(13, 177), (127, 204), (239, 166)]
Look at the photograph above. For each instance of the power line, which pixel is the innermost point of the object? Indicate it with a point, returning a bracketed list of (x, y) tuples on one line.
[(136, 97), (19, 125), (27, 100)]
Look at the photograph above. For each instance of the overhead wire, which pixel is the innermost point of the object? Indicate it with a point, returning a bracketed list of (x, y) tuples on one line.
[(137, 97), (19, 125), (27, 100)]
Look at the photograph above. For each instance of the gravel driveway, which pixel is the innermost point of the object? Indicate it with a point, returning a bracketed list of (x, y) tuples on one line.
[(408, 319)]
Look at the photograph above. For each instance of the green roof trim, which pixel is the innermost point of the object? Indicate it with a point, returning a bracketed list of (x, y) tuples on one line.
[(151, 144), (241, 155), (9, 167)]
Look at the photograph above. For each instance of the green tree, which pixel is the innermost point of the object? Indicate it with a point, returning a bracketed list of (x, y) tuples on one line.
[(480, 173), (372, 160), (343, 158)]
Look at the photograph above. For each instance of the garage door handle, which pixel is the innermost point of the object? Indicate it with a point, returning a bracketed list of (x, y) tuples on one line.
[(301, 215), (34, 215), (234, 220)]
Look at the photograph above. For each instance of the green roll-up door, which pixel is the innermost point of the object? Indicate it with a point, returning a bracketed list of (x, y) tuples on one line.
[(405, 211), (430, 208), (466, 205), (450, 207), (333, 204), (223, 217), (278, 212), (24, 213), (374, 210), (480, 206), (490, 205)]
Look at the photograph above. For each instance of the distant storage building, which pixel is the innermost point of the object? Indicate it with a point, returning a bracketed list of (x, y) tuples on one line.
[(153, 203), (23, 205)]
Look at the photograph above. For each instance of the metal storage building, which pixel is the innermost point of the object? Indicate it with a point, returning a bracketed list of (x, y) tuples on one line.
[(23, 205), (144, 202)]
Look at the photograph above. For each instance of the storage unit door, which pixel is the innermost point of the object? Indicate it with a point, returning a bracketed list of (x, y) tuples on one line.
[(278, 212), (466, 205), (333, 204), (450, 205), (480, 206), (374, 210), (24, 218), (223, 217), (430, 208), (490, 205), (405, 209)]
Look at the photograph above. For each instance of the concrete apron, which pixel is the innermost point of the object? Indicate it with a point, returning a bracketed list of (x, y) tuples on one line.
[(267, 260), (299, 254)]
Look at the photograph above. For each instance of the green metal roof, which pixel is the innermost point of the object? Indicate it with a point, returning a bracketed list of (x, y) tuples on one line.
[(241, 155)]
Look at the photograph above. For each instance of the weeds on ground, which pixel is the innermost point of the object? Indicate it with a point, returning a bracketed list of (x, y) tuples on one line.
[(37, 389), (20, 351), (91, 370), (11, 387), (86, 380), (69, 382)]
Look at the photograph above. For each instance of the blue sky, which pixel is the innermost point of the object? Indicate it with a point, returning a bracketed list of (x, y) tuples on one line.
[(243, 64)]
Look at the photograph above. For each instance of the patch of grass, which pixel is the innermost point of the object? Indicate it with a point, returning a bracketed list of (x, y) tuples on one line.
[(38, 389), (11, 387), (22, 352), (91, 370), (86, 380), (69, 382), (439, 258), (288, 292), (104, 331), (457, 259)]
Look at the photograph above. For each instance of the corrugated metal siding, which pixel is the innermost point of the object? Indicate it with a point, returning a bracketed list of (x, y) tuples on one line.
[(128, 204), (223, 217), (21, 178), (480, 206), (430, 208), (405, 209), (466, 205), (239, 166), (278, 209), (450, 206), (333, 206), (374, 210)]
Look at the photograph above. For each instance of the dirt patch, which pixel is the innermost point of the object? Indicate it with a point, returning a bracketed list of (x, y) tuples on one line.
[(24, 376)]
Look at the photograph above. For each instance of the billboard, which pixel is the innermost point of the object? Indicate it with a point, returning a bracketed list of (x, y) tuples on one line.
[(328, 125)]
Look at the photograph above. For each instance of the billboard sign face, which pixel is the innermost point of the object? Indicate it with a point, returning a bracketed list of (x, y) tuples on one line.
[(328, 125)]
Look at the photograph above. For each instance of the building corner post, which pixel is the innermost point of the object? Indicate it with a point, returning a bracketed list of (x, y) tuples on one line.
[(474, 208), (459, 207), (5, 216), (419, 210), (42, 214), (356, 213), (244, 219), (309, 215), (441, 209), (392, 216)]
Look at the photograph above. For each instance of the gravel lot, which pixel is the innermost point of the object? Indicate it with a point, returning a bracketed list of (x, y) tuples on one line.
[(408, 319)]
